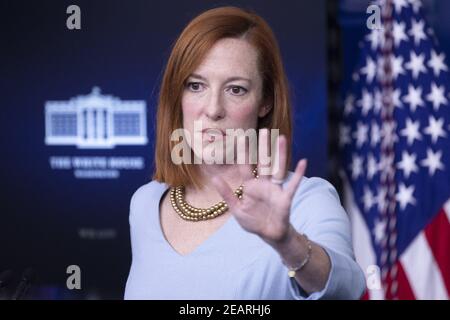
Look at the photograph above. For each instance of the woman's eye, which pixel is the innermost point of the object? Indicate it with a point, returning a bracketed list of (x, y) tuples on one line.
[(194, 86), (238, 90)]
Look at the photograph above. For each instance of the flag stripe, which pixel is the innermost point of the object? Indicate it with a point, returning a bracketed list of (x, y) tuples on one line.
[(405, 291), (447, 209), (365, 296), (362, 243), (438, 237), (424, 275)]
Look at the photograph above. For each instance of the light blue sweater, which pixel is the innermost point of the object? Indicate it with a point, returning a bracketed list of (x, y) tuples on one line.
[(235, 264)]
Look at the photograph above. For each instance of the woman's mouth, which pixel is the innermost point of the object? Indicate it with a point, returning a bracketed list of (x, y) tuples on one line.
[(213, 134)]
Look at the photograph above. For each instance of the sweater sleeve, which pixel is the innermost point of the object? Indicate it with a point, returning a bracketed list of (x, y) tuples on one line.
[(317, 212)]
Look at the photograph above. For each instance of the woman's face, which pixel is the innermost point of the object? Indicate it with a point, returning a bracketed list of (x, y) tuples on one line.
[(224, 92)]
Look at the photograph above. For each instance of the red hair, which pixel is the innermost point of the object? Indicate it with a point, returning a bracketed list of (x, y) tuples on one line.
[(189, 50)]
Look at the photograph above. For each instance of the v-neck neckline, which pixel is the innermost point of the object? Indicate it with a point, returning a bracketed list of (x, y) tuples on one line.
[(208, 241)]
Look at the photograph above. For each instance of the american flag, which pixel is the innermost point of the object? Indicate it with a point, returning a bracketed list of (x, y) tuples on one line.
[(395, 142)]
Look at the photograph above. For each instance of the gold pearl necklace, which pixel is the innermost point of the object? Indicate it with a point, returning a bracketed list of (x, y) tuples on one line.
[(188, 212)]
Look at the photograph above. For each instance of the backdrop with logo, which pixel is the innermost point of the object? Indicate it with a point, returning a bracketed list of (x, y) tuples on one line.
[(77, 127)]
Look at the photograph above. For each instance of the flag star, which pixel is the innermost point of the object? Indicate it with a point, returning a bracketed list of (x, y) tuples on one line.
[(368, 198), (414, 97), (411, 131), (437, 63), (372, 166), (396, 98), (375, 134), (369, 70), (433, 161), (348, 104), (377, 101), (397, 66), (416, 64), (399, 5), (379, 230), (405, 195), (376, 38), (417, 31), (344, 135), (399, 33), (381, 198), (386, 161), (435, 128), (388, 132), (380, 68), (437, 96), (365, 102), (408, 164), (417, 4), (356, 166), (361, 134)]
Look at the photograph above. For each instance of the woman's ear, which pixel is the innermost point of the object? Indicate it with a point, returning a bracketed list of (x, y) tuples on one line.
[(264, 110)]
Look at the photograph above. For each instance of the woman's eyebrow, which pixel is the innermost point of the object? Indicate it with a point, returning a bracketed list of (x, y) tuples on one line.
[(197, 76), (238, 78)]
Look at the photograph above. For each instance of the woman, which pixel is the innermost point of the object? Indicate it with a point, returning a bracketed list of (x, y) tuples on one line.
[(278, 236)]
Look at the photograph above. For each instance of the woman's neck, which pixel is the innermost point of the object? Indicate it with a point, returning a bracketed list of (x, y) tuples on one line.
[(207, 195)]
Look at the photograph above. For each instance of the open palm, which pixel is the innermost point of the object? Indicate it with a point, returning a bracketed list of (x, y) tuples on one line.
[(265, 206)]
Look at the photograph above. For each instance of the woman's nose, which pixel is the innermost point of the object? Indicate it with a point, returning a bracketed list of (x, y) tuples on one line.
[(214, 109)]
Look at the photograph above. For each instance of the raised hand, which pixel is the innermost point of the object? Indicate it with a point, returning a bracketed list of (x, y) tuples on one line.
[(265, 206)]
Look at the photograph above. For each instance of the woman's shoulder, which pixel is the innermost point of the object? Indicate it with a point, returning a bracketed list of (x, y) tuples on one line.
[(316, 194), (316, 199), (312, 185), (148, 192)]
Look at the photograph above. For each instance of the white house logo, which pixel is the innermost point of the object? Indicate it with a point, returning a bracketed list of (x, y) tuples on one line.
[(95, 121)]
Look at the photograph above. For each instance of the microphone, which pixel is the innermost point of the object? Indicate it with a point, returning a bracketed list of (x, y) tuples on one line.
[(28, 277), (5, 278)]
